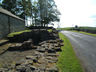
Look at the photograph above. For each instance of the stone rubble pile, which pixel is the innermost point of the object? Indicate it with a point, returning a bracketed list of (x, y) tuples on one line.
[(43, 60), (26, 45)]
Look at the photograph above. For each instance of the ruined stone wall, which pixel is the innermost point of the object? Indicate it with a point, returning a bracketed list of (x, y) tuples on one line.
[(10, 24), (41, 57)]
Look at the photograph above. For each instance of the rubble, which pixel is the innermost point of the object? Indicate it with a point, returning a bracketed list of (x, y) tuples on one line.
[(44, 58)]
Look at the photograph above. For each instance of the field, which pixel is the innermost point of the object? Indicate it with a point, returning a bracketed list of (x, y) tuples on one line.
[(84, 29)]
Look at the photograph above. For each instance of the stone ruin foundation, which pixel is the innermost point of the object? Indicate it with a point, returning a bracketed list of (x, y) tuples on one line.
[(45, 45)]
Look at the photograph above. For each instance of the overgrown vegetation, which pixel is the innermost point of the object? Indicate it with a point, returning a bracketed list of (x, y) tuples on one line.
[(17, 33), (68, 62)]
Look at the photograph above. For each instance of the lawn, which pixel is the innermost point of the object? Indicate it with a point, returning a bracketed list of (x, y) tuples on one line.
[(68, 62)]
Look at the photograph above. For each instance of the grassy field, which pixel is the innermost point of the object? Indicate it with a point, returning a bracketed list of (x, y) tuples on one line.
[(68, 62), (85, 30), (85, 33)]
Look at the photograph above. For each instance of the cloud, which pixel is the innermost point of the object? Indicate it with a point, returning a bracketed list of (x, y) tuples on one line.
[(77, 12), (93, 16)]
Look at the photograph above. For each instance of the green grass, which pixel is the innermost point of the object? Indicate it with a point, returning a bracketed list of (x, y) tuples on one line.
[(85, 33), (68, 62), (17, 33), (49, 30), (84, 30), (68, 28), (91, 29)]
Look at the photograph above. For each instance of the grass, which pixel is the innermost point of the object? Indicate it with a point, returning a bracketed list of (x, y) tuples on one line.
[(84, 30), (85, 33), (89, 29), (49, 30), (17, 33), (68, 28), (68, 62)]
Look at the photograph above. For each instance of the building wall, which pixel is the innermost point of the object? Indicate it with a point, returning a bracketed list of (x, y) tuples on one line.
[(10, 24), (16, 25)]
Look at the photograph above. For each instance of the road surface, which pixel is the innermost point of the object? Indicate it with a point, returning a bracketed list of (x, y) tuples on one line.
[(85, 48)]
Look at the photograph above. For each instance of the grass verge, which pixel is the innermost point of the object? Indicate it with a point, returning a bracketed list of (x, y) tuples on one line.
[(68, 62), (85, 33)]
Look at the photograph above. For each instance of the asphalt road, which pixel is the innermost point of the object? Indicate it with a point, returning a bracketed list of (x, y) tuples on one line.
[(85, 49)]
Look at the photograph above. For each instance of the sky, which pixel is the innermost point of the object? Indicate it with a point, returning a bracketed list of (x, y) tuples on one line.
[(77, 12)]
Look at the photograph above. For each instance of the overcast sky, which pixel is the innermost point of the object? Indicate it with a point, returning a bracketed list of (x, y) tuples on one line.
[(77, 12)]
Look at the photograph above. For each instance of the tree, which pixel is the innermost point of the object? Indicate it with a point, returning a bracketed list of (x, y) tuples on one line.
[(0, 3), (24, 8), (35, 12), (76, 26), (48, 11), (42, 12), (9, 5), (20, 8)]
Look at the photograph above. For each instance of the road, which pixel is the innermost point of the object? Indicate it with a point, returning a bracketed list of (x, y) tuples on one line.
[(85, 49)]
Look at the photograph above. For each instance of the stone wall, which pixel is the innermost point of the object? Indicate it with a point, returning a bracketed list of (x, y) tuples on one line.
[(29, 57), (10, 24), (16, 25)]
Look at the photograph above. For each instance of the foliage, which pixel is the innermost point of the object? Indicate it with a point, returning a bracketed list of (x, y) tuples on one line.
[(20, 8), (24, 8), (87, 29), (9, 5), (48, 11), (0, 4), (68, 61), (42, 12)]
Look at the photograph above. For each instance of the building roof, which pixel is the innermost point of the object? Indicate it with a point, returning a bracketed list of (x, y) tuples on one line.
[(9, 13)]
